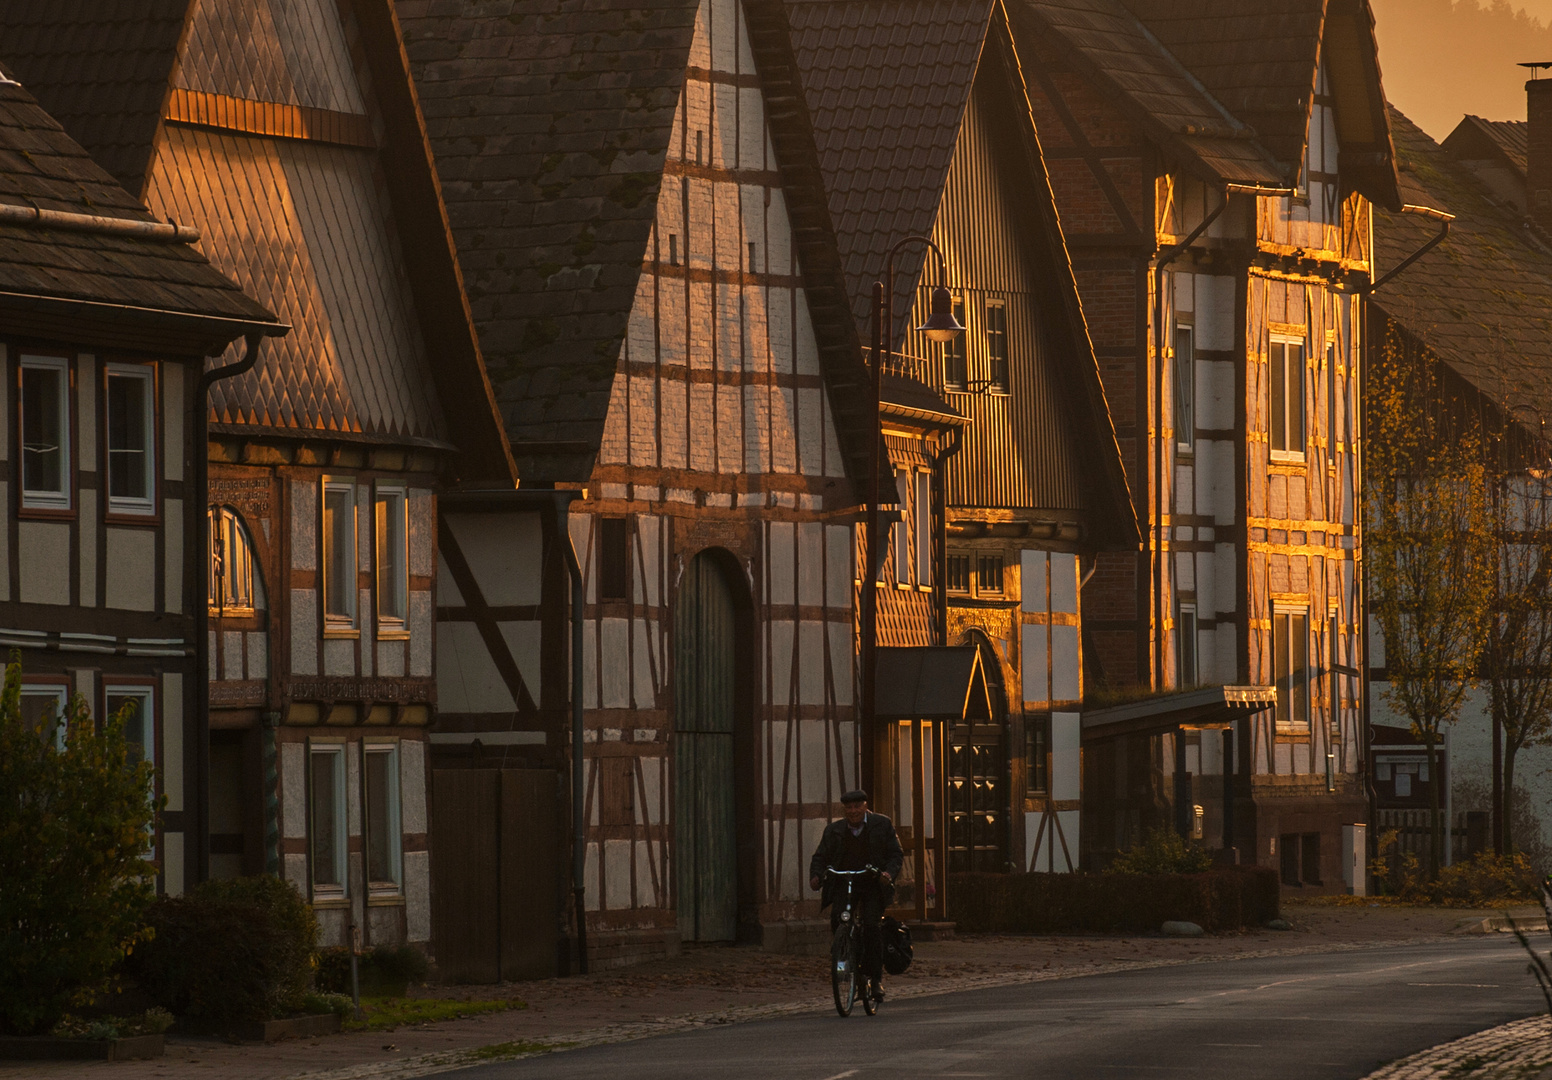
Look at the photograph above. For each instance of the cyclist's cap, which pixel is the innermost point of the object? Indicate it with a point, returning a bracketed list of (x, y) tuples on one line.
[(855, 796)]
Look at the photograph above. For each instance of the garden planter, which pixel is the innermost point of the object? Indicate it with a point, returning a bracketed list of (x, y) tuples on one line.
[(48, 1048)]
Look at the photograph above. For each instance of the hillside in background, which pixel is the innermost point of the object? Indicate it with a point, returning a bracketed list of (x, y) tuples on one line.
[(1442, 60)]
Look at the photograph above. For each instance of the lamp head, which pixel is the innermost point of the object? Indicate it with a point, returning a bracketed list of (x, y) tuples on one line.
[(941, 325)]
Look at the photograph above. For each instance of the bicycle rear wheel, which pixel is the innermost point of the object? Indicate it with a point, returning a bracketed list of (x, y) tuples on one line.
[(843, 969)]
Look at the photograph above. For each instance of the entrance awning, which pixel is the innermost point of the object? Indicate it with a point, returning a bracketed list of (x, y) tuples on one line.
[(1208, 707), (931, 682)]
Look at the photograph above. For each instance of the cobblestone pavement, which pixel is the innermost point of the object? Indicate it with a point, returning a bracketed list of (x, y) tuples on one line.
[(709, 986), (1518, 1051)]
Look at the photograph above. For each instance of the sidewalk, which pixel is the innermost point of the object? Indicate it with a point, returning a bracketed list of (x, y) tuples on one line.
[(1518, 1051), (709, 985)]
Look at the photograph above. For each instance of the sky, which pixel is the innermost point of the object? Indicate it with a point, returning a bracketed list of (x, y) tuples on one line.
[(1442, 59)]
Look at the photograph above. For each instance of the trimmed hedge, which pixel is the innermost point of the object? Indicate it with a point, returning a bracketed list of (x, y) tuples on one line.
[(1223, 899), (386, 971), (229, 951)]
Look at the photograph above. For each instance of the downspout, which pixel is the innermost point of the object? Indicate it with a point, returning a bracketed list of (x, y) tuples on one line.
[(563, 501), (201, 470), (940, 583)]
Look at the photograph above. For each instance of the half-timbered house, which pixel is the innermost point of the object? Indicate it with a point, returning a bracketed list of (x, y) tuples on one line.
[(270, 127), (1033, 483), (1214, 165), (106, 317)]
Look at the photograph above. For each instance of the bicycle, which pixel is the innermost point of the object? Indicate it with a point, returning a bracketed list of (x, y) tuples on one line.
[(846, 981)]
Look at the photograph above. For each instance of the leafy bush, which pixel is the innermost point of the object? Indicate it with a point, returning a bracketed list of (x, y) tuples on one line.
[(231, 950), (151, 1022), (1484, 880), (386, 971), (1163, 851), (75, 823), (1224, 899), (338, 1004)]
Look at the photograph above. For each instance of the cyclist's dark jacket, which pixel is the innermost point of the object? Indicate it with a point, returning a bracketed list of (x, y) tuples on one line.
[(882, 846)]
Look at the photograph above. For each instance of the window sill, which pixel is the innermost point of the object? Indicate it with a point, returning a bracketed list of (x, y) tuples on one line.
[(1287, 458), (46, 513), (393, 632), (148, 519), (330, 900), (341, 632), (385, 897)]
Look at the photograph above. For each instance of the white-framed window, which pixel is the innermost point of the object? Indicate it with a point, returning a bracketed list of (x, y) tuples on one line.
[(997, 346), (1285, 376), (326, 834), (390, 506), (140, 722), (1332, 403), (1187, 671), (45, 432), (339, 554), (956, 366), (235, 583), (44, 707), (902, 528), (129, 414), (924, 528), (1290, 668), (384, 836), (1185, 389)]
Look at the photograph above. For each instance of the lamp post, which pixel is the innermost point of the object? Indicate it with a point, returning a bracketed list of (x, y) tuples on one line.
[(941, 326)]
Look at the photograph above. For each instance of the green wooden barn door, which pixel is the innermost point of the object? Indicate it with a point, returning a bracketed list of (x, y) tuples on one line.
[(704, 827)]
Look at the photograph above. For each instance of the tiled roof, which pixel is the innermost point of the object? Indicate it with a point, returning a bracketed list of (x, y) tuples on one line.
[(1160, 93), (550, 126), (41, 167), (887, 82), (1482, 300), (1258, 58), (102, 66)]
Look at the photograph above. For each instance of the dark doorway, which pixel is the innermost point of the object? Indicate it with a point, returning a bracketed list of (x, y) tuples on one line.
[(706, 637), (494, 897)]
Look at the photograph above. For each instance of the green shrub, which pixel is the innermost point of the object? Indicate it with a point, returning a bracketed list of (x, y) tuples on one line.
[(231, 950), (1224, 899), (386, 971), (75, 823), (339, 1004), (1163, 851), (1481, 881)]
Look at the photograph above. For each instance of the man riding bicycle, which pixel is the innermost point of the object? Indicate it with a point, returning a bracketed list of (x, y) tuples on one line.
[(860, 840)]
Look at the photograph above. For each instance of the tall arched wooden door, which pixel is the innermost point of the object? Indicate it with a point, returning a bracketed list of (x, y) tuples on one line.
[(705, 706)]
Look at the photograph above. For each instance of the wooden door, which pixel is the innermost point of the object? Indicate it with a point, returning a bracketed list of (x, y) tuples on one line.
[(705, 830), (494, 901)]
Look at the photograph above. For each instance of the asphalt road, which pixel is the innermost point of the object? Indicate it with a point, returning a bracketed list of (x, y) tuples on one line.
[(1322, 1016)]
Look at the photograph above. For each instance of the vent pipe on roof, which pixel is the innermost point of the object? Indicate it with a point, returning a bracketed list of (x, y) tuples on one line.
[(1538, 159)]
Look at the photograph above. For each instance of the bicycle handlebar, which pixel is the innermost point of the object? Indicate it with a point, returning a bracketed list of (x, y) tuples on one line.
[(851, 873)]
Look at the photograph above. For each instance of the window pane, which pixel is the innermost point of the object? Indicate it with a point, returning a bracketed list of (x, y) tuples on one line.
[(1036, 740), (902, 528), (1186, 655), (137, 724), (1280, 666), (956, 573), (381, 835), (613, 559), (954, 365), (1331, 401), (1296, 398), (1277, 378), (997, 345), (326, 822), (923, 528), (1298, 663), (43, 429), (128, 438), (989, 573), (1185, 388), (339, 542), (43, 710), (391, 583)]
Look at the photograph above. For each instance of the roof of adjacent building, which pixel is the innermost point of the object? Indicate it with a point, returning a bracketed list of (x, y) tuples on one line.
[(550, 129), (141, 276), (102, 66), (1225, 86), (1482, 300), (1475, 137)]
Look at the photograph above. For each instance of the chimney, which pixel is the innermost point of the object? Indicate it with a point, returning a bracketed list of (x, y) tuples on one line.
[(1538, 162)]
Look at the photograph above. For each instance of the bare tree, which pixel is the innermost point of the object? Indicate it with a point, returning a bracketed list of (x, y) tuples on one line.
[(1517, 659), (1427, 547)]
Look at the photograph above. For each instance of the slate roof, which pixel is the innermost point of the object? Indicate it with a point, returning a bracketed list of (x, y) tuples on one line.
[(41, 167), (550, 127), (1157, 90), (1482, 300), (102, 66), (887, 83)]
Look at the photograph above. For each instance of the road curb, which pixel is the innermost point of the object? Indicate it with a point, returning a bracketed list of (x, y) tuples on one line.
[(1513, 1051), (443, 1061)]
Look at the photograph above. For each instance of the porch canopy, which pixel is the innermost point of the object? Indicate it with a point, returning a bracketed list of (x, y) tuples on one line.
[(1208, 707), (931, 682)]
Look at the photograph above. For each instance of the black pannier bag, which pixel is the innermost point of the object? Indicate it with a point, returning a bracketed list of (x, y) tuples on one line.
[(897, 946)]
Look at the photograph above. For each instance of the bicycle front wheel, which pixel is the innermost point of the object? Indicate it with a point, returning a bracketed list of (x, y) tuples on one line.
[(843, 969)]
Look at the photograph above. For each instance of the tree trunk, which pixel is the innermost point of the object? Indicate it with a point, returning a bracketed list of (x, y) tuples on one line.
[(1510, 750), (1435, 847), (1498, 785)]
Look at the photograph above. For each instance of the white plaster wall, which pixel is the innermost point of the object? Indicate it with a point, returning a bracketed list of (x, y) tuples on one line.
[(132, 584), (44, 575)]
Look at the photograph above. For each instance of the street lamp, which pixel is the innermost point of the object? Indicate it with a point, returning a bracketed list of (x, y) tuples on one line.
[(941, 326)]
